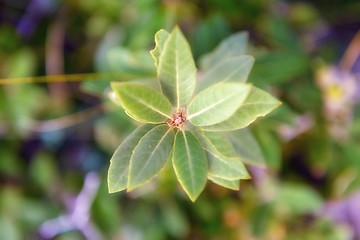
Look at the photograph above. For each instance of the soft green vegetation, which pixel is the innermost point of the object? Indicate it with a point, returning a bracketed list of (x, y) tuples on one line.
[(57, 132)]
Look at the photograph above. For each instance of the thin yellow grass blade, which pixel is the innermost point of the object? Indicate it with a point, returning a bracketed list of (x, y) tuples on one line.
[(66, 78)]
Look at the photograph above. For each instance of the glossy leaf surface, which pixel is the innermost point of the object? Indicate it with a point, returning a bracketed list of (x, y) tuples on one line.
[(246, 147), (234, 69), (227, 168), (257, 104), (217, 103), (150, 155), (177, 70), (143, 103), (190, 164), (231, 184), (119, 162), (221, 144)]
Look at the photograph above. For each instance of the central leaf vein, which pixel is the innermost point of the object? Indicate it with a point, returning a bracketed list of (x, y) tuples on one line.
[(147, 105), (210, 106), (177, 78), (153, 152), (189, 159)]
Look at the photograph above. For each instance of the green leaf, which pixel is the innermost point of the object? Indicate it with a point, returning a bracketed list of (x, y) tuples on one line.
[(226, 157), (190, 164), (142, 103), (231, 184), (217, 103), (257, 104), (119, 162), (177, 70), (222, 147), (160, 38), (227, 168), (150, 155), (246, 147), (220, 141), (232, 46), (228, 70)]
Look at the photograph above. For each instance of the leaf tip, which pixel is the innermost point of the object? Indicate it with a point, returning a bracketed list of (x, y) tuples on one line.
[(112, 189), (113, 84), (276, 105), (248, 177), (176, 30), (130, 188), (131, 185), (192, 197), (193, 200)]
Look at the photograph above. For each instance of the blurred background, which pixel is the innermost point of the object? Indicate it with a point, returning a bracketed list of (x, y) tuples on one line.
[(58, 134)]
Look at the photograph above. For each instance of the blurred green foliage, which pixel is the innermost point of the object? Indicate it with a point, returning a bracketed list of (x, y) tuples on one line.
[(311, 144)]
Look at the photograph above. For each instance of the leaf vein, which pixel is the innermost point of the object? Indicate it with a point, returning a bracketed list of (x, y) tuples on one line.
[(211, 106), (147, 105)]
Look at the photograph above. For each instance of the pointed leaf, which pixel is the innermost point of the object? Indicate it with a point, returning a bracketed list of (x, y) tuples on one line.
[(232, 46), (150, 155), (227, 168), (119, 162), (217, 103), (228, 70), (160, 38), (246, 147), (142, 103), (224, 162), (177, 70), (190, 164), (257, 104), (231, 184), (240, 144)]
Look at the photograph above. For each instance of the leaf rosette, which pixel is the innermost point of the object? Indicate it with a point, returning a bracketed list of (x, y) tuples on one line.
[(196, 126)]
